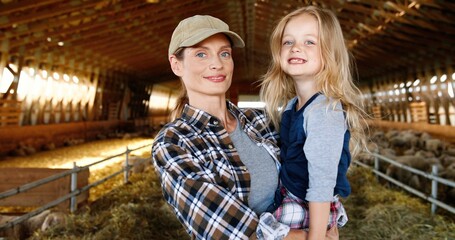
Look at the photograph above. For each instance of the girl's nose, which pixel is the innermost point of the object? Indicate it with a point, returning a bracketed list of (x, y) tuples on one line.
[(295, 48)]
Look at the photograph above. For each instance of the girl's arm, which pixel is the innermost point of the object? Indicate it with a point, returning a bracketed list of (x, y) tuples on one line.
[(325, 129), (319, 218)]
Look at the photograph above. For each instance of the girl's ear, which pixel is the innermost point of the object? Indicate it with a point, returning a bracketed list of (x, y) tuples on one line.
[(176, 65)]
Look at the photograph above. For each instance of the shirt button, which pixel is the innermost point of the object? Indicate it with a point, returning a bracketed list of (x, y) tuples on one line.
[(243, 168), (215, 122), (230, 146)]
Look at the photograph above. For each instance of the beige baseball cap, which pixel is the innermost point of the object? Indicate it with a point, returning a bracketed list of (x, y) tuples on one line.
[(195, 29)]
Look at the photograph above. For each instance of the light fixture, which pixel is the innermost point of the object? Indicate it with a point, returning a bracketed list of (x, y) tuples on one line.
[(56, 76), (66, 77)]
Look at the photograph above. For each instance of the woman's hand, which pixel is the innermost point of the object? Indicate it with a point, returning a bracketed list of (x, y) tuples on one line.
[(296, 234)]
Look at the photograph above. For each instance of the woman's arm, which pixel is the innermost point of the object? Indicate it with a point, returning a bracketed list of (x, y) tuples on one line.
[(205, 208), (296, 234)]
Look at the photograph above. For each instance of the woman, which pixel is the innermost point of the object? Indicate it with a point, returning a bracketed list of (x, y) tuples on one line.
[(217, 164)]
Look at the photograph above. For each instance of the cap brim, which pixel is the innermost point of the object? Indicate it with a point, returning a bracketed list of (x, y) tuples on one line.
[(199, 37)]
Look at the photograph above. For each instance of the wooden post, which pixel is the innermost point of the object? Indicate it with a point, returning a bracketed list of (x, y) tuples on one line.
[(92, 103), (126, 167), (4, 57)]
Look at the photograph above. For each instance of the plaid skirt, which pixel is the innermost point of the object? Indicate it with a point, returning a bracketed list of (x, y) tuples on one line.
[(294, 212)]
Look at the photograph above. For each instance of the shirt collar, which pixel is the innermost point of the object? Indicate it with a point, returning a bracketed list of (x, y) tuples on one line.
[(200, 118)]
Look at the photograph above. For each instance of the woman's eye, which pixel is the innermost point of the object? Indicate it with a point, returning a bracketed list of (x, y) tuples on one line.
[(225, 54), (201, 55)]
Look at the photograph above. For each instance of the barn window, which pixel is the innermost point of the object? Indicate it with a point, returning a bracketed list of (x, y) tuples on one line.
[(6, 80)]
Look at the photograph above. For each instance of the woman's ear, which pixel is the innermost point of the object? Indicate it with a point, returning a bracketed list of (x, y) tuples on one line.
[(176, 65)]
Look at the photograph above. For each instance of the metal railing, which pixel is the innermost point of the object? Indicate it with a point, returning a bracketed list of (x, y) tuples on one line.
[(74, 190), (432, 198), (126, 167)]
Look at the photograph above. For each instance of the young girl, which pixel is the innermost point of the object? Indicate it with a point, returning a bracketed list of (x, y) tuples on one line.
[(309, 90)]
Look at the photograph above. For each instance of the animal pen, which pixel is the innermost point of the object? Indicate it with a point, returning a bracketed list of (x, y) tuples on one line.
[(72, 185)]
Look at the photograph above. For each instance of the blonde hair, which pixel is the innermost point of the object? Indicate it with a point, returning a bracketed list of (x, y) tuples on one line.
[(334, 79)]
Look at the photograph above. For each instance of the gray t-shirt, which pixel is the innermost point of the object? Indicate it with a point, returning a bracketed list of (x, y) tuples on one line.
[(262, 169)]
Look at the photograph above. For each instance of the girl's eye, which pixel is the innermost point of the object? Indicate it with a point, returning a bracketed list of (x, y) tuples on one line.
[(287, 43), (225, 54), (201, 55), (309, 42)]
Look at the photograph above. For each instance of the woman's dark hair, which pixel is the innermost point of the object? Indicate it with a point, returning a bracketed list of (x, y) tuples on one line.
[(183, 97)]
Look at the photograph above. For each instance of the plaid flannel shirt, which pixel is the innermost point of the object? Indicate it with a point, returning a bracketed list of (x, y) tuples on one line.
[(202, 176)]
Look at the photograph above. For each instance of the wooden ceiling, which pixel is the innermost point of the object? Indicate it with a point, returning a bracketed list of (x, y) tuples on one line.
[(132, 36)]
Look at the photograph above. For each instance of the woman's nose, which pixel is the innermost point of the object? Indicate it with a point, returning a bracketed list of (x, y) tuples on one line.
[(216, 63)]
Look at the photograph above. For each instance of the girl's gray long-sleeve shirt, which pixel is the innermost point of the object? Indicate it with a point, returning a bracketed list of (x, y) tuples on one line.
[(315, 149)]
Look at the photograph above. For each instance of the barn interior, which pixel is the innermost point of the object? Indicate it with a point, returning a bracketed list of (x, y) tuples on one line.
[(83, 70), (72, 65)]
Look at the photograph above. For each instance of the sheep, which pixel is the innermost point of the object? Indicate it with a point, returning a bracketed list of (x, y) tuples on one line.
[(404, 141), (25, 229), (366, 158), (434, 145), (48, 146), (388, 153), (449, 172), (448, 193), (378, 137), (7, 232), (424, 137), (138, 164), (446, 160), (450, 151), (392, 133), (424, 154), (23, 150), (410, 152), (418, 150), (420, 163), (54, 219)]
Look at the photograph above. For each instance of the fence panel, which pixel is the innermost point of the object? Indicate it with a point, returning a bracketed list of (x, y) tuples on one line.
[(10, 178), (432, 198), (36, 187)]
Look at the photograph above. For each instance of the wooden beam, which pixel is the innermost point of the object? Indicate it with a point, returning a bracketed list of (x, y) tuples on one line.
[(61, 21), (49, 12), (24, 6)]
